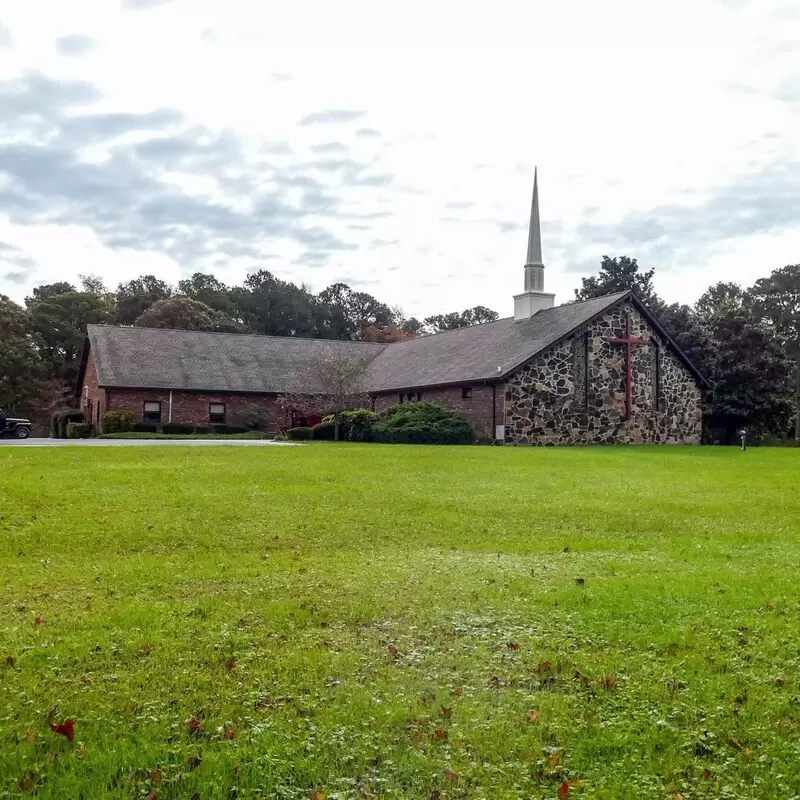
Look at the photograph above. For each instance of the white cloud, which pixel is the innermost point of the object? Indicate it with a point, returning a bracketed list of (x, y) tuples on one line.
[(654, 130)]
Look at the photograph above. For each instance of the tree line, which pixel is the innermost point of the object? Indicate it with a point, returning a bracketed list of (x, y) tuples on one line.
[(745, 340)]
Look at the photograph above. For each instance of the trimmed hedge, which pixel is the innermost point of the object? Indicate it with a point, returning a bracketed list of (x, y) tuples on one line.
[(79, 430), (116, 422), (177, 427), (60, 420), (173, 436), (145, 427), (230, 429), (298, 434), (422, 423), (324, 431)]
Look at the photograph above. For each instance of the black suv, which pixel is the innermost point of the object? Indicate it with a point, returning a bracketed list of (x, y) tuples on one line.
[(16, 428)]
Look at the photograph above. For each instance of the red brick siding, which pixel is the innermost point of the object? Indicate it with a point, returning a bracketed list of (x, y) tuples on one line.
[(192, 407), (93, 397), (477, 409)]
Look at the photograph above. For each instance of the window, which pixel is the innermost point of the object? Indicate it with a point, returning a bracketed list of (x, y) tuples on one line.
[(402, 398), (216, 413), (152, 412), (466, 393), (657, 404)]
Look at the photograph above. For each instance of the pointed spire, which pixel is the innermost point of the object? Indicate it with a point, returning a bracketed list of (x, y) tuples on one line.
[(534, 233)]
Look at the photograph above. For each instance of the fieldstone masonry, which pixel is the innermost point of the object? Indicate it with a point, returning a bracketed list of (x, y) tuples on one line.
[(574, 392)]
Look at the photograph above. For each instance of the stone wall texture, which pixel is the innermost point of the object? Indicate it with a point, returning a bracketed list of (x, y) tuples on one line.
[(574, 392)]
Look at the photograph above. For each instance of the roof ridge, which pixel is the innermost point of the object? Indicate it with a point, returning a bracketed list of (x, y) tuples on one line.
[(231, 333)]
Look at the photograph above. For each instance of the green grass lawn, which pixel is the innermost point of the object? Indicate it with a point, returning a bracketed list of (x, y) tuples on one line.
[(348, 621)]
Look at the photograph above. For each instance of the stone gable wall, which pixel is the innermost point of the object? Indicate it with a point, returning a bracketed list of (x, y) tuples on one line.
[(549, 401)]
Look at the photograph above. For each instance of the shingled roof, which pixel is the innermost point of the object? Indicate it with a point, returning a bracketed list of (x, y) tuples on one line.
[(230, 362)]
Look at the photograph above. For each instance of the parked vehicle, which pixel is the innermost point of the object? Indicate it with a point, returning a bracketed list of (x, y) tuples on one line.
[(16, 428)]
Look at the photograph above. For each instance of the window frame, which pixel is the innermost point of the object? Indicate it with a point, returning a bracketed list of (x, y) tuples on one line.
[(150, 416), (212, 415), (466, 393)]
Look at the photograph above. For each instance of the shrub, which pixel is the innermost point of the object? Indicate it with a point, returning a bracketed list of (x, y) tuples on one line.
[(145, 427), (61, 419), (229, 429), (117, 422), (255, 419), (324, 431), (78, 430), (202, 429), (298, 434), (177, 427), (422, 423), (356, 426)]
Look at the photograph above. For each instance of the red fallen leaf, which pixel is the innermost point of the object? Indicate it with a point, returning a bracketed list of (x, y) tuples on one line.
[(512, 645), (533, 716), (80, 754), (66, 728), (416, 722), (25, 783), (230, 664), (708, 774), (609, 682), (152, 796), (440, 734), (563, 791), (229, 732), (393, 651), (450, 776), (544, 667), (38, 621), (194, 725)]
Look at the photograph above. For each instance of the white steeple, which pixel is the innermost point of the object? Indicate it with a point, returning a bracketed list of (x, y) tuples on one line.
[(534, 298)]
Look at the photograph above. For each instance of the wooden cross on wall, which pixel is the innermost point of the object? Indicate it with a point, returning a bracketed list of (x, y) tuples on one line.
[(628, 341)]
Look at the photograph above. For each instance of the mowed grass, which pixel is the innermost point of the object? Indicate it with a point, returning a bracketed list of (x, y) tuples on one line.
[(400, 622)]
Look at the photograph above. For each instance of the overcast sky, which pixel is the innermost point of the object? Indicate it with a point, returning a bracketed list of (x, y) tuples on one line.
[(392, 146)]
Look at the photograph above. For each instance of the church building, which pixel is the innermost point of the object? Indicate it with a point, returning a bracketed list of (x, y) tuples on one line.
[(592, 372)]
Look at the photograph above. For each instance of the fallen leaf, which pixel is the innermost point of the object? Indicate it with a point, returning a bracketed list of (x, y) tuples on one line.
[(10, 662), (146, 649), (317, 794), (708, 774), (152, 796), (579, 582), (393, 651), (609, 682), (193, 762), (458, 691), (194, 725), (30, 737), (230, 664), (533, 716), (512, 645), (445, 712), (435, 795), (494, 682), (440, 734), (38, 621), (563, 790), (25, 783), (450, 776), (229, 732), (66, 728), (80, 754), (676, 796)]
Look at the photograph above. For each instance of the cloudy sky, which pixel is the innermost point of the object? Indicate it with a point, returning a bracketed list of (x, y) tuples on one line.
[(392, 146)]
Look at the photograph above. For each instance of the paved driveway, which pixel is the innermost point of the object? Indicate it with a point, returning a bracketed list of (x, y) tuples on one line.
[(143, 443)]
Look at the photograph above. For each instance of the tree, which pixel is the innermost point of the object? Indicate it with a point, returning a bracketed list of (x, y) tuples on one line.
[(776, 299), (60, 321), (749, 371), (206, 289), (619, 275), (340, 378), (180, 313), (686, 327), (21, 369), (385, 334), (274, 307), (351, 312), (48, 290), (135, 297), (92, 284), (464, 319)]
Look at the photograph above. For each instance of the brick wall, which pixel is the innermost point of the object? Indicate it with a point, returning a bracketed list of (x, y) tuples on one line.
[(93, 398), (477, 408), (192, 407)]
